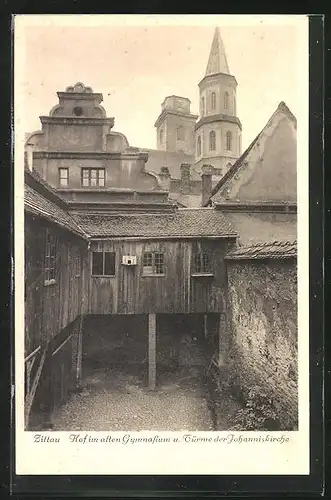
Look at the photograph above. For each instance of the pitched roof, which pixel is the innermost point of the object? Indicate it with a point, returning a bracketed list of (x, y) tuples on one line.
[(33, 178), (235, 167), (265, 250), (217, 62), (38, 205), (183, 223), (216, 194)]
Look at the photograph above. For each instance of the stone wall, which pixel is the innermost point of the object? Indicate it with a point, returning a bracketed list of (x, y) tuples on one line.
[(263, 344)]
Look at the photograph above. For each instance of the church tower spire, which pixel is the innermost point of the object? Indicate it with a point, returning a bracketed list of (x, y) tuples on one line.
[(218, 129), (217, 62)]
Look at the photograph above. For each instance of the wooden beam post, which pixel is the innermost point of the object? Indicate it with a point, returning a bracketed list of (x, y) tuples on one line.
[(152, 351), (205, 325)]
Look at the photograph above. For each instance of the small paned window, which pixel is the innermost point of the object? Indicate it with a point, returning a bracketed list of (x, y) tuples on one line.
[(103, 263), (213, 100), (153, 263), (64, 176), (50, 257), (212, 141), (202, 263), (229, 141), (93, 177)]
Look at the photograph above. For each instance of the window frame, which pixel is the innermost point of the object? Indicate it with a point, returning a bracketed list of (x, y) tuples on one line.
[(180, 133), (152, 259), (229, 140), (89, 177), (50, 258), (203, 106), (199, 143), (212, 140), (66, 169), (226, 100), (213, 100), (202, 264), (103, 252)]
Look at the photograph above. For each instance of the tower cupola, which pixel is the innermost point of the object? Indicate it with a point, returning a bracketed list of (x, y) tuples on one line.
[(218, 129)]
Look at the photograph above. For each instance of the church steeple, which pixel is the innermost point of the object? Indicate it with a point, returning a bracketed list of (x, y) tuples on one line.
[(218, 129), (217, 62)]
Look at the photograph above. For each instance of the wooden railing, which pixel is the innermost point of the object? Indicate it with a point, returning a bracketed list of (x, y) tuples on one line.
[(31, 388)]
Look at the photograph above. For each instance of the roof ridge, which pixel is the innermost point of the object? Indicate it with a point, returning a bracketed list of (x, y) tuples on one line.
[(267, 243)]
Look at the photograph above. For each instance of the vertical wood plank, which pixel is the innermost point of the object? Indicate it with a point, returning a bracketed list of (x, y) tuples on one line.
[(205, 325), (222, 340), (152, 351)]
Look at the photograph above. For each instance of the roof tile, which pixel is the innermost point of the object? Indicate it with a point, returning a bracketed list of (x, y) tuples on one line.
[(36, 204), (183, 223), (265, 250)]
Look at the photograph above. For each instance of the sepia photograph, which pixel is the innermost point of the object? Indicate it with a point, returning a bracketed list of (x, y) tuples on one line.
[(160, 224)]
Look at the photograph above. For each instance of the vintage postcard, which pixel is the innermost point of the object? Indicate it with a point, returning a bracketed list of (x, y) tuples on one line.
[(161, 226)]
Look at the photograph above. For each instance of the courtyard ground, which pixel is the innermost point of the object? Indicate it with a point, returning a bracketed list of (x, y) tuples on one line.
[(118, 400)]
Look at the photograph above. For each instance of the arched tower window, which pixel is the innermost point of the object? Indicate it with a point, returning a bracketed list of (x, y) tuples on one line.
[(161, 136), (226, 100), (213, 100), (202, 105), (199, 146), (212, 141), (229, 141), (180, 133)]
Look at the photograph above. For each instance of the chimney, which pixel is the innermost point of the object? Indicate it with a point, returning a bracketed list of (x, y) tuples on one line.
[(207, 185), (165, 178), (28, 157), (185, 171)]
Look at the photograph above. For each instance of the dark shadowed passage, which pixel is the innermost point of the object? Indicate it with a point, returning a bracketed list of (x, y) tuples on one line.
[(114, 393)]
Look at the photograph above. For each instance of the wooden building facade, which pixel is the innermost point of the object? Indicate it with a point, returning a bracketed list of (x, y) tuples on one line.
[(157, 263), (156, 268), (55, 298)]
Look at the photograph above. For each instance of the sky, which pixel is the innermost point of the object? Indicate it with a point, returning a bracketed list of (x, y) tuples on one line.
[(136, 64)]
